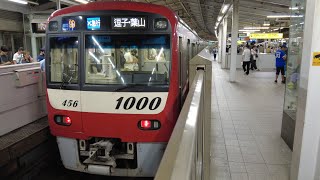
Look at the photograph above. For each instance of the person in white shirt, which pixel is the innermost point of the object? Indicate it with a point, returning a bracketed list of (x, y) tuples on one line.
[(18, 56), (246, 60)]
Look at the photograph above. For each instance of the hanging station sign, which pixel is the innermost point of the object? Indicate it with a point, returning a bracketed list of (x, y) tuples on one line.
[(242, 35), (266, 35)]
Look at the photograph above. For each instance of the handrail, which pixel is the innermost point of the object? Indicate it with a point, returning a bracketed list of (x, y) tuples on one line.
[(183, 157)]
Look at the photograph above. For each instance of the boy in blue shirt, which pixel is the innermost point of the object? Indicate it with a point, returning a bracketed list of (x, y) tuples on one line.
[(41, 55), (280, 63)]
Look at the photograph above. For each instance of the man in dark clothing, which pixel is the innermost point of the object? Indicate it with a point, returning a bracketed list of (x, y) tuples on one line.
[(4, 59)]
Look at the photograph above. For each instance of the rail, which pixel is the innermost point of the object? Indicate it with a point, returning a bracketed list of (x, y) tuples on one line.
[(187, 156)]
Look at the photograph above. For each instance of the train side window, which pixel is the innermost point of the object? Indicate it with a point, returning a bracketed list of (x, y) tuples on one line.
[(64, 59)]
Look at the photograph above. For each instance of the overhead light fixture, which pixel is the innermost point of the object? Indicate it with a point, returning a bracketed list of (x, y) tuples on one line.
[(24, 2), (225, 8), (283, 16), (219, 18), (254, 28), (82, 1), (294, 8), (19, 1), (275, 29), (244, 30)]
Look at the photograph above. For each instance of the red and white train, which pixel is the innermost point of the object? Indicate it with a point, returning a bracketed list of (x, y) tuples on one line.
[(117, 76)]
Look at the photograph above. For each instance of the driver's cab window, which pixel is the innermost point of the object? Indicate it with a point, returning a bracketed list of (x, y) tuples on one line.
[(127, 59), (64, 59)]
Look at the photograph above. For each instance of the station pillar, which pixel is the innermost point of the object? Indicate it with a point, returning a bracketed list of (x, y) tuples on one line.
[(234, 39), (34, 46), (306, 149), (224, 42), (220, 44)]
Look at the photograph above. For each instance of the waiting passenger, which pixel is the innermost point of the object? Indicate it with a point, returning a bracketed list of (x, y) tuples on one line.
[(41, 55), (43, 65), (246, 60), (280, 63), (254, 54), (18, 56), (26, 57), (4, 59)]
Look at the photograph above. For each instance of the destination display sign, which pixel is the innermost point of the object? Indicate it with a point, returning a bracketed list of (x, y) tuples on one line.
[(103, 23), (93, 23), (128, 23), (71, 23)]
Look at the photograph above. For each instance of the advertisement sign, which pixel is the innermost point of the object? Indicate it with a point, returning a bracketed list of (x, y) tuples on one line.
[(266, 35)]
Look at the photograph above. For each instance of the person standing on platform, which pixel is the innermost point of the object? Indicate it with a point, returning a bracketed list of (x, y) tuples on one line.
[(4, 59), (18, 56), (246, 59), (214, 53), (41, 55), (280, 63), (254, 54), (26, 57)]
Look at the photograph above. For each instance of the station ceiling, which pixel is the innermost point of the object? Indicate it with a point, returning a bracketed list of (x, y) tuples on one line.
[(201, 15)]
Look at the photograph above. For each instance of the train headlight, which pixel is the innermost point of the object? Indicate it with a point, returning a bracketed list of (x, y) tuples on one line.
[(62, 120), (161, 24), (53, 26), (149, 124)]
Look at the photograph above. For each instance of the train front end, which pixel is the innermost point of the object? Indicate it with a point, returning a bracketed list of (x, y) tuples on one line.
[(112, 86)]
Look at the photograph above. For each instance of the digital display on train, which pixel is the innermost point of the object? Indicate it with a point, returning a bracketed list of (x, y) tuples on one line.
[(71, 23), (128, 23), (93, 23)]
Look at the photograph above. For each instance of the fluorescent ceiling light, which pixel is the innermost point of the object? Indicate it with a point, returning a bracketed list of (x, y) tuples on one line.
[(266, 24), (225, 8), (253, 28), (19, 1), (275, 29), (219, 18), (82, 1), (294, 8), (283, 16), (244, 30)]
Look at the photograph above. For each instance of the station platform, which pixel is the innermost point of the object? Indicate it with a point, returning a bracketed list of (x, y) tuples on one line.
[(246, 127)]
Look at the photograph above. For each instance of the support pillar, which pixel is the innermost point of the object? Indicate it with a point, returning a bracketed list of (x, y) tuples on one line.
[(58, 4), (307, 148), (234, 39), (224, 42), (34, 46), (220, 44)]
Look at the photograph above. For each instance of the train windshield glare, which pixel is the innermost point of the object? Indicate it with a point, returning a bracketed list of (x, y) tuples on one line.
[(127, 59)]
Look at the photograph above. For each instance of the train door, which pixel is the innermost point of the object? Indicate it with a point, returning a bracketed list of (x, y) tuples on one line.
[(63, 79), (184, 68)]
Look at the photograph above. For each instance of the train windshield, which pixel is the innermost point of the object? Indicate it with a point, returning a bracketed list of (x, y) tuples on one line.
[(127, 59)]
